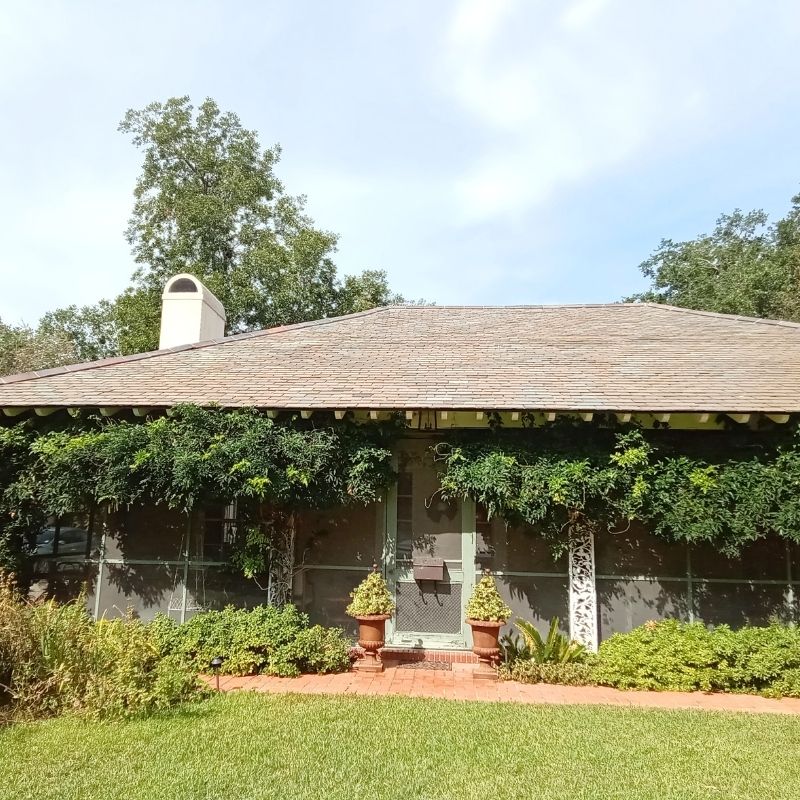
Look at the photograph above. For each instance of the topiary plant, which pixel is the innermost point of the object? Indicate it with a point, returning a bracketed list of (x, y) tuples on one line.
[(371, 597), (485, 604)]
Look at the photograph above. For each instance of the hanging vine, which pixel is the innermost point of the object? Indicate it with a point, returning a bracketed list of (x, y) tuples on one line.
[(192, 456), (689, 487)]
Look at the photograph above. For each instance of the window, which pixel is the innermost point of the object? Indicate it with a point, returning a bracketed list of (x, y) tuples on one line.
[(218, 532)]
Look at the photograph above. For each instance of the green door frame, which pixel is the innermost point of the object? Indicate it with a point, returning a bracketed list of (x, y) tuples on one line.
[(432, 641)]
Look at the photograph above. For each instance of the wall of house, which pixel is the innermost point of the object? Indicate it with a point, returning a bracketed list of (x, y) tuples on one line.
[(639, 577)]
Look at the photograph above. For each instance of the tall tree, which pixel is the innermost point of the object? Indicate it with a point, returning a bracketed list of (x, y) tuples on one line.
[(746, 266), (93, 330), (23, 349), (208, 202)]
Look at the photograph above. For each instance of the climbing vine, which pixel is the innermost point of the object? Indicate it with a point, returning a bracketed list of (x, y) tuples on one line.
[(727, 488), (192, 456), (689, 487)]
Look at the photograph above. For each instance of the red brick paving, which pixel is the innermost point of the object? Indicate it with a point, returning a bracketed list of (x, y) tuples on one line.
[(459, 684)]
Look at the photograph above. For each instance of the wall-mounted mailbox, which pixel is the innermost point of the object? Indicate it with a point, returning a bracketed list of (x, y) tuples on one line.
[(428, 569)]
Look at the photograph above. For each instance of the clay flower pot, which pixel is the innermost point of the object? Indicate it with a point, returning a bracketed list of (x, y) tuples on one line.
[(485, 635), (371, 634)]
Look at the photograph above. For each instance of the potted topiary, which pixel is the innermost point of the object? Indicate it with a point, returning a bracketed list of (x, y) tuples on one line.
[(371, 604), (486, 614)]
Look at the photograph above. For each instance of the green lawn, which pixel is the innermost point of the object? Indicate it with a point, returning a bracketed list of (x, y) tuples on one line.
[(237, 747)]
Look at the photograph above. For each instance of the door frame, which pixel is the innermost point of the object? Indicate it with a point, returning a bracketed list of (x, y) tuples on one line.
[(393, 575)]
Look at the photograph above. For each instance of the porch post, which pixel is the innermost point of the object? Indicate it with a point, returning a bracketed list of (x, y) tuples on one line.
[(582, 591), (281, 562)]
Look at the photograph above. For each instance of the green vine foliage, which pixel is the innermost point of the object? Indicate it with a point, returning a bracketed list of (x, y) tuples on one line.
[(192, 456), (720, 487), (728, 488)]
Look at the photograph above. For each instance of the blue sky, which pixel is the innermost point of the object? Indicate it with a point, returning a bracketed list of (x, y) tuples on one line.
[(480, 152)]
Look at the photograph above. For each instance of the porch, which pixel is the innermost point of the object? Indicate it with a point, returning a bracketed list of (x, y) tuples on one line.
[(152, 559)]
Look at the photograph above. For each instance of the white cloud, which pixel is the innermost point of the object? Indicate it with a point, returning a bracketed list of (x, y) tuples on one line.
[(582, 13), (564, 93)]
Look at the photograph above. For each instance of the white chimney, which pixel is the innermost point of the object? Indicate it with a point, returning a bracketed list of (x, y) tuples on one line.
[(189, 313)]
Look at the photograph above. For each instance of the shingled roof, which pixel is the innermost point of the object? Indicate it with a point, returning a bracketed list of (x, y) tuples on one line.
[(633, 357)]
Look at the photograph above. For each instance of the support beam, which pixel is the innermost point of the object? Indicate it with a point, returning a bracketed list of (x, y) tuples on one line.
[(587, 416), (550, 416), (623, 416), (582, 591), (479, 415), (141, 411), (339, 413), (702, 418), (515, 416), (272, 413), (740, 418), (281, 561), (443, 415), (109, 411), (780, 419), (45, 411), (306, 413), (662, 417), (409, 416), (373, 415), (14, 411)]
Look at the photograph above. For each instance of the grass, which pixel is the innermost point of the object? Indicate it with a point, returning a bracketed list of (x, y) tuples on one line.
[(303, 746)]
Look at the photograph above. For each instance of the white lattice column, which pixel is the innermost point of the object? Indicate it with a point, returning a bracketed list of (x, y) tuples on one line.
[(582, 591), (281, 561)]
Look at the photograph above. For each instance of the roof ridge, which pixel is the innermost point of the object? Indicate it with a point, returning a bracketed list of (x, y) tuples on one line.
[(107, 362), (719, 315)]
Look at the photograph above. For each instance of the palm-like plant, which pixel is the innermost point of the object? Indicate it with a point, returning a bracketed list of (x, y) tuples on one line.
[(555, 649)]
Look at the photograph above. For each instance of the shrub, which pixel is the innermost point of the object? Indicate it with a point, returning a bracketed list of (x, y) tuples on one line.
[(316, 649), (664, 655), (485, 603), (555, 649), (55, 658), (267, 639), (676, 656), (370, 597), (528, 671)]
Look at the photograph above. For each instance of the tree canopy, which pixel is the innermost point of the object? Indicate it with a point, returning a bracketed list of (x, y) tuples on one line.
[(23, 349), (746, 266), (208, 202)]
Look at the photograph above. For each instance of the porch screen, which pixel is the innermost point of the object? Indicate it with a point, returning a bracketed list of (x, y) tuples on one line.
[(530, 580), (333, 552)]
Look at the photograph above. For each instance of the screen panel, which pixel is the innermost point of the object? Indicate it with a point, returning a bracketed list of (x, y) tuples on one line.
[(625, 604)]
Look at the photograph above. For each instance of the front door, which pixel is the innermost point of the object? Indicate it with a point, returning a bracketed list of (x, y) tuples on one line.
[(429, 533)]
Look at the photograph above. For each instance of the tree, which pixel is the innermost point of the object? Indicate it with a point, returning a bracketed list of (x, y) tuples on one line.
[(745, 266), (93, 330), (23, 349), (208, 202)]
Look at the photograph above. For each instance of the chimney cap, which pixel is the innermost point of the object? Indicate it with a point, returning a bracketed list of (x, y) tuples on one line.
[(184, 286)]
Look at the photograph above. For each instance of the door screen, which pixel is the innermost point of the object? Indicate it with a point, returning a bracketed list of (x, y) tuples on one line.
[(428, 528)]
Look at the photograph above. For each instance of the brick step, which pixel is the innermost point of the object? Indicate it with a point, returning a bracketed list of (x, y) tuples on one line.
[(420, 654)]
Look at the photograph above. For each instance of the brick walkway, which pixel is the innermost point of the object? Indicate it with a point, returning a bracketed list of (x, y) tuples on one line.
[(460, 685)]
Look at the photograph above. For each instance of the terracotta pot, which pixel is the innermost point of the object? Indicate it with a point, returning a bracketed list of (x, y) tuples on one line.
[(485, 635), (371, 634)]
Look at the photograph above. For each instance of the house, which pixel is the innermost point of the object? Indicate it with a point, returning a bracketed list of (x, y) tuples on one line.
[(442, 369)]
